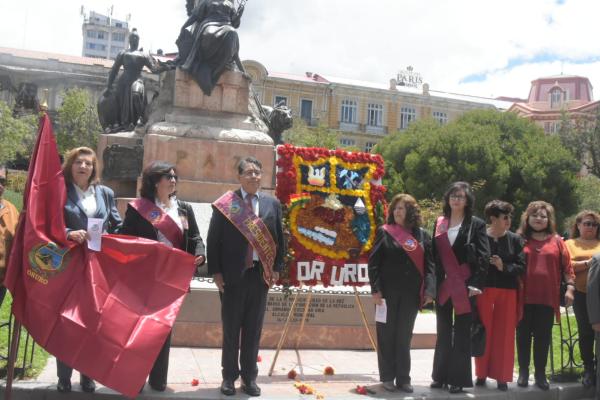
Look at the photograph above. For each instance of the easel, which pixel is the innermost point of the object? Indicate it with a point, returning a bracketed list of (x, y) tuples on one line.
[(286, 327)]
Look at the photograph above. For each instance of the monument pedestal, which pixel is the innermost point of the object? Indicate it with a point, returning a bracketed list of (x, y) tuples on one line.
[(203, 136)]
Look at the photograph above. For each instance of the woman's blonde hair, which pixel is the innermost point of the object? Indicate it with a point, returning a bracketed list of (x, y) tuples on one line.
[(70, 158)]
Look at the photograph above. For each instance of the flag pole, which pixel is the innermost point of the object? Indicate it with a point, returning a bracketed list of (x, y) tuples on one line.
[(16, 336)]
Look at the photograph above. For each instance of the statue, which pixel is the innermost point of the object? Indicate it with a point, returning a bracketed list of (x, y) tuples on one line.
[(278, 119), (122, 109), (212, 46)]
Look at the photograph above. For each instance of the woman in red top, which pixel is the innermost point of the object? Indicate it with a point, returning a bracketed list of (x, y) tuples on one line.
[(547, 259)]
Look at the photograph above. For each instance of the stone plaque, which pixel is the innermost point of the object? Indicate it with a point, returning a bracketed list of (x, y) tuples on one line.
[(122, 162)]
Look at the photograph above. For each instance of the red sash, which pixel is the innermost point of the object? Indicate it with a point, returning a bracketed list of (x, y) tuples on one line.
[(456, 274), (412, 248), (252, 227), (159, 219)]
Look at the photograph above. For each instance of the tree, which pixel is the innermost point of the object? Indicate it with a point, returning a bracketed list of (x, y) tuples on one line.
[(18, 134), (582, 137), (319, 136), (502, 155), (77, 123)]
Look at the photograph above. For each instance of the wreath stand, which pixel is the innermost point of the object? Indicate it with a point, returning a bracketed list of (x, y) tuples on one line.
[(286, 327)]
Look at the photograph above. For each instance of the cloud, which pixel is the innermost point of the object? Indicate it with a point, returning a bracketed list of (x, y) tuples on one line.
[(465, 46)]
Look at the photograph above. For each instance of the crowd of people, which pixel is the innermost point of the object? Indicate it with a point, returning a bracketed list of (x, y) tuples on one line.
[(481, 273), (475, 272)]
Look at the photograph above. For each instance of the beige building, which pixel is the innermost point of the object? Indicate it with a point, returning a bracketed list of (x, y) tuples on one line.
[(364, 112)]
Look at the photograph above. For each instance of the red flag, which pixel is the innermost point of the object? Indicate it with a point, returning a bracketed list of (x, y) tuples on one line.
[(106, 314)]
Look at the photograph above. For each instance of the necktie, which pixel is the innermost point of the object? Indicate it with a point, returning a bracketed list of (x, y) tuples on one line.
[(250, 250)]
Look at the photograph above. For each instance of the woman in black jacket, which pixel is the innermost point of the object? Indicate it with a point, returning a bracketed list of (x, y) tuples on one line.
[(158, 215), (461, 252), (401, 273)]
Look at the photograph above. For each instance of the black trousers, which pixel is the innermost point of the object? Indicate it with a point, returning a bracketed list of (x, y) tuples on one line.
[(452, 356), (64, 372), (242, 314), (586, 333), (393, 337), (160, 369), (537, 325)]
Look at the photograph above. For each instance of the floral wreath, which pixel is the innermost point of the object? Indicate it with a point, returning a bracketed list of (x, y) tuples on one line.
[(333, 201)]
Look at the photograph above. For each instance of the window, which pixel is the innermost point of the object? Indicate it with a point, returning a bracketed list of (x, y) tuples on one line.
[(375, 114), (551, 127), (91, 34), (369, 146), (306, 111), (348, 111), (119, 24), (91, 46), (347, 142), (101, 35), (556, 96), (115, 50), (280, 99), (407, 115), (118, 36), (440, 117)]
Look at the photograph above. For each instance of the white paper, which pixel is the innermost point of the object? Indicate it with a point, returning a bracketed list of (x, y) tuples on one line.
[(381, 312), (94, 230)]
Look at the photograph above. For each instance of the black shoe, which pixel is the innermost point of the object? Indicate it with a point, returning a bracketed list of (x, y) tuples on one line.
[(455, 389), (87, 384), (406, 388), (389, 386), (227, 387), (159, 387), (523, 380), (542, 383), (480, 382), (63, 385), (502, 386), (436, 385), (588, 379), (250, 388)]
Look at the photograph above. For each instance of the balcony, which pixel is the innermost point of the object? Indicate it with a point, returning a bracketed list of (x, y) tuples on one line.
[(349, 127), (376, 130)]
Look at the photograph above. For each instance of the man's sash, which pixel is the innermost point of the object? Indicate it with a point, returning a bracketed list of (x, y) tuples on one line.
[(412, 248), (159, 219), (252, 227), (456, 274)]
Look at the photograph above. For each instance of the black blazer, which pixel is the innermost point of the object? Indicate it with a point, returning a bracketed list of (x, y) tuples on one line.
[(390, 267), (136, 225), (482, 250), (510, 249), (226, 246), (75, 217)]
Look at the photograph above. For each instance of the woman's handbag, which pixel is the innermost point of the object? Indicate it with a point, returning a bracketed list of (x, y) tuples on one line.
[(477, 335)]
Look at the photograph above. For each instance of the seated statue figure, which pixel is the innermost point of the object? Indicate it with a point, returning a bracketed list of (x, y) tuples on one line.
[(213, 44), (122, 108)]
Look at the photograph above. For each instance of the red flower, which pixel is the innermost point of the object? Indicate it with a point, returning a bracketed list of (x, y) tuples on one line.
[(258, 358), (361, 389), (292, 374), (195, 382), (328, 371)]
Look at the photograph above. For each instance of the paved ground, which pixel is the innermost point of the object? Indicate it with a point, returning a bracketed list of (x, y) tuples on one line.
[(351, 368)]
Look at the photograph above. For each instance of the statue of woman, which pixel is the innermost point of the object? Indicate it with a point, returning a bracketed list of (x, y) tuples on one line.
[(214, 41), (130, 94)]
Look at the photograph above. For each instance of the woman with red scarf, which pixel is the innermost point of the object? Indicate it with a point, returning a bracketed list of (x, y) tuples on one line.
[(461, 251), (548, 261), (401, 273)]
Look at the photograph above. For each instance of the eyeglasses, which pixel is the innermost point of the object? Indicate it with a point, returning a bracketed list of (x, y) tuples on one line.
[(171, 176), (589, 224), (457, 197), (251, 173)]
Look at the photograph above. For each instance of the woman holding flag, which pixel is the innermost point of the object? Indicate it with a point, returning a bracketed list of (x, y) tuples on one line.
[(158, 215), (85, 199), (401, 273)]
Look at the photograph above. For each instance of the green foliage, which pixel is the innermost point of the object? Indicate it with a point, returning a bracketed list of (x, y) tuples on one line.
[(14, 197), (18, 134), (77, 123), (502, 155), (303, 135), (582, 137), (587, 189)]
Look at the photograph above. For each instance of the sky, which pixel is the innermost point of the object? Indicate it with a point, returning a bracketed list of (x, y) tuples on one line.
[(475, 47)]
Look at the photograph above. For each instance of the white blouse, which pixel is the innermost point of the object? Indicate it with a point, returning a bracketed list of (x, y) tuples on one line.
[(88, 200), (453, 233), (173, 212)]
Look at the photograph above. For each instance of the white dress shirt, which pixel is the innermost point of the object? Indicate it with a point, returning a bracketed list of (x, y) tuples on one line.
[(88, 200), (173, 212)]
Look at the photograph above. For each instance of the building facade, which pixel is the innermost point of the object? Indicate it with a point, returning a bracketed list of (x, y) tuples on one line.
[(551, 97), (103, 36), (364, 112)]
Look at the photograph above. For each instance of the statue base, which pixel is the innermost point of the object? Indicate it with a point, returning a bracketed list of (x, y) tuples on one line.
[(203, 136)]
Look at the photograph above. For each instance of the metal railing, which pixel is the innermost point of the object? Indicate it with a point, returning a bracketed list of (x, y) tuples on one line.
[(25, 354), (568, 370)]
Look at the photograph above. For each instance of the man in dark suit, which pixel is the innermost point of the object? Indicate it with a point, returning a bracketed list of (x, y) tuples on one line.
[(240, 276), (593, 306)]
